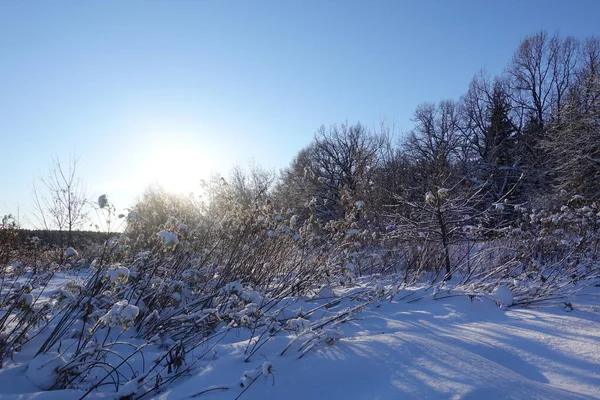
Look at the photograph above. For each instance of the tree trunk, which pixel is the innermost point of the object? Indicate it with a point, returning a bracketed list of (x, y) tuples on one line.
[(444, 233)]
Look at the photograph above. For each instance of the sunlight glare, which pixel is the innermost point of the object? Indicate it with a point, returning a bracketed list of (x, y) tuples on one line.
[(174, 163)]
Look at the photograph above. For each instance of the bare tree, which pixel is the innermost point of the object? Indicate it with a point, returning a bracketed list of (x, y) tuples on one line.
[(435, 149), (435, 146), (493, 136), (61, 203), (541, 71), (587, 83), (539, 78), (252, 184), (335, 168), (153, 209), (573, 141)]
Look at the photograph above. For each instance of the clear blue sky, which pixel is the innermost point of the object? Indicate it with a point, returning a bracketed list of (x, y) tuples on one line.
[(171, 91)]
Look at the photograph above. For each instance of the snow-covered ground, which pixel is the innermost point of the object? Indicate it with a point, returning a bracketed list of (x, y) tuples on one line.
[(448, 348), (435, 349)]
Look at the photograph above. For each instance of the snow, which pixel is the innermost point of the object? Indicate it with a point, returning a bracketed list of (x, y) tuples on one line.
[(267, 368), (234, 287), (28, 299), (503, 295), (168, 238), (326, 292), (298, 324), (102, 201), (41, 371), (249, 377), (128, 389), (429, 197), (70, 252), (453, 349), (121, 314), (415, 345), (252, 296), (118, 273), (331, 336)]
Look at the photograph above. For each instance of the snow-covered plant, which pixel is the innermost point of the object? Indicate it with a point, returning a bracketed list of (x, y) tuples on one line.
[(169, 239), (102, 201), (121, 314), (298, 324), (70, 252), (118, 274), (332, 336)]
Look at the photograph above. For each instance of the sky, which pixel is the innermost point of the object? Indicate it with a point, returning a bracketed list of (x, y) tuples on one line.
[(172, 92)]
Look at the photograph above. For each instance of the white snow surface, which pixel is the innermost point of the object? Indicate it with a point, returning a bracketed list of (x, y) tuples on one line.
[(41, 371), (503, 295), (455, 349), (326, 292), (445, 348)]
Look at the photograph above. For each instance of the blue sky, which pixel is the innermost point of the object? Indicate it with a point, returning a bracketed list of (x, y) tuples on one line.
[(172, 91)]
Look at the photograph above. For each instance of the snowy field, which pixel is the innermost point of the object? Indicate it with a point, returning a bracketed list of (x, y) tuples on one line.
[(414, 345)]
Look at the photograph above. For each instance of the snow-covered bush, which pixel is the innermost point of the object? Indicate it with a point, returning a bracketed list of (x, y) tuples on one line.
[(118, 274), (121, 314)]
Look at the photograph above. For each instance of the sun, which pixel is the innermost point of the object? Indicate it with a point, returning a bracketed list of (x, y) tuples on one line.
[(181, 174), (178, 166)]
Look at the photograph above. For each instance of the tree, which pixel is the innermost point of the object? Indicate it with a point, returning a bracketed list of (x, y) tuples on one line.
[(393, 176), (251, 185), (155, 207), (573, 141), (540, 75), (62, 202), (9, 240), (435, 146), (295, 188), (493, 135), (334, 169)]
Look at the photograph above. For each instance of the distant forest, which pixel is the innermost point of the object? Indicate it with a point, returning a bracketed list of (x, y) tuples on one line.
[(53, 238)]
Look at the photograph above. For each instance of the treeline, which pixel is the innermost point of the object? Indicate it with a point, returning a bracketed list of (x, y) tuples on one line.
[(17, 242), (55, 238), (529, 136)]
